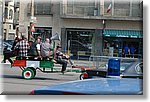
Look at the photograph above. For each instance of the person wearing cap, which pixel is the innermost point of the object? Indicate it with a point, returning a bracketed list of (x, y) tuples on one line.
[(60, 58)]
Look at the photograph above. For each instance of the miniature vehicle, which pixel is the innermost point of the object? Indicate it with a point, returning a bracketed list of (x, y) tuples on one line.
[(86, 74), (134, 70), (29, 65)]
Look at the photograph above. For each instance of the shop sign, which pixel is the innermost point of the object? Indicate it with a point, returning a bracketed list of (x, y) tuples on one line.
[(124, 34)]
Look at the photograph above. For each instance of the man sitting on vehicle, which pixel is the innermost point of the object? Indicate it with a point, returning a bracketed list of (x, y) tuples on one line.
[(46, 49), (22, 46), (38, 46), (60, 59)]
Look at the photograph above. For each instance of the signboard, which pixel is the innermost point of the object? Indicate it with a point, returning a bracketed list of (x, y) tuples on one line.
[(123, 33)]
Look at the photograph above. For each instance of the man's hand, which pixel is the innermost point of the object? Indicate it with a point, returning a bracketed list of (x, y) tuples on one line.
[(67, 57)]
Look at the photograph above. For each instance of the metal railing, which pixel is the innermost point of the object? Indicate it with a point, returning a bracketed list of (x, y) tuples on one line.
[(102, 61)]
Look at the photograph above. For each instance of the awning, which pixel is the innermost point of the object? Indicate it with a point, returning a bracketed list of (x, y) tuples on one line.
[(123, 33)]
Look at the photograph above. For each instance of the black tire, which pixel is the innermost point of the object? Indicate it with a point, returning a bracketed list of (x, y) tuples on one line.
[(84, 75), (28, 73), (34, 70), (81, 76)]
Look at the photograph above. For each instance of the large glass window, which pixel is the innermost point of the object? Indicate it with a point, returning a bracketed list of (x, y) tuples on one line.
[(121, 8), (77, 7), (80, 41), (118, 8), (136, 8), (107, 3), (70, 7), (42, 8)]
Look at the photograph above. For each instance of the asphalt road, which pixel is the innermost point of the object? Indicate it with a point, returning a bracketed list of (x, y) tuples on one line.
[(13, 83)]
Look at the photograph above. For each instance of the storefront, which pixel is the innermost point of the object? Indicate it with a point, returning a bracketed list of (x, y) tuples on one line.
[(83, 43), (118, 39), (78, 42)]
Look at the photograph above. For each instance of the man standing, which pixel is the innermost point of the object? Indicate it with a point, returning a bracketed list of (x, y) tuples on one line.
[(132, 51), (126, 51), (7, 54), (22, 46)]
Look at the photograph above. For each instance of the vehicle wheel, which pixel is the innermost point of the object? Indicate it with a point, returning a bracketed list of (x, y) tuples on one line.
[(83, 76), (28, 73), (34, 70)]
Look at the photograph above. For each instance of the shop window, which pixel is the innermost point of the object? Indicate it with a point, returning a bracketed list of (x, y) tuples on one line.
[(80, 41)]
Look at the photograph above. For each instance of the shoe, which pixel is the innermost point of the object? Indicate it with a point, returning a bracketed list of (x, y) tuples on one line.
[(62, 72)]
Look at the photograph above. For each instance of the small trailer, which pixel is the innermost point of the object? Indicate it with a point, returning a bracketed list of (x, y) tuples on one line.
[(29, 65)]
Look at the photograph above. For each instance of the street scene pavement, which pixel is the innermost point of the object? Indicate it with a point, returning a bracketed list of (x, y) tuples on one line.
[(13, 83), (104, 36)]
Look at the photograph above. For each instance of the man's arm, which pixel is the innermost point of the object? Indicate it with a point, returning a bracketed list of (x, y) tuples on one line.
[(16, 46)]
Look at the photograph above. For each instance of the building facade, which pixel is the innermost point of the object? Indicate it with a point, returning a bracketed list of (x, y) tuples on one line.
[(9, 30), (87, 27)]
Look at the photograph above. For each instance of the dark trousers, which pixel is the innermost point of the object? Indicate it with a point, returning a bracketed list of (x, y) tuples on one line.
[(70, 61), (64, 64), (7, 56)]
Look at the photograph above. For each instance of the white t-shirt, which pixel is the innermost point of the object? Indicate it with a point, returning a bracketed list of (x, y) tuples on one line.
[(38, 46)]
